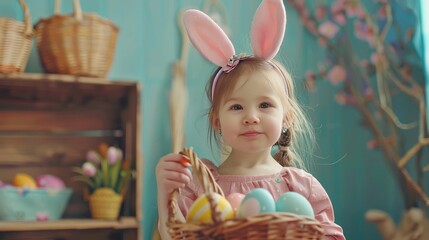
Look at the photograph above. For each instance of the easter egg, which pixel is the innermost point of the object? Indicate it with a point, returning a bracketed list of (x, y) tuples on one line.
[(24, 180), (200, 211), (293, 202), (49, 181), (257, 201), (235, 200)]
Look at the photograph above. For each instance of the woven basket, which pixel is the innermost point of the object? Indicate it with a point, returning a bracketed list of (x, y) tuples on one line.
[(78, 44), (15, 42), (105, 204), (264, 226)]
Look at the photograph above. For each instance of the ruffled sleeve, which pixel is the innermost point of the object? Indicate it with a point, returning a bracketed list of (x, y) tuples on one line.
[(308, 186)]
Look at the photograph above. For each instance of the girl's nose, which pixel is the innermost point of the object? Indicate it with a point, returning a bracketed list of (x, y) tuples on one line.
[(251, 118)]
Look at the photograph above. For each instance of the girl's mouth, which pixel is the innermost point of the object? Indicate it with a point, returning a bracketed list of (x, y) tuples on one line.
[(250, 134)]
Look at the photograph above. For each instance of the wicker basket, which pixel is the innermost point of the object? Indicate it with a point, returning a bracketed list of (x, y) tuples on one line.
[(265, 226), (78, 44), (15, 42), (104, 203)]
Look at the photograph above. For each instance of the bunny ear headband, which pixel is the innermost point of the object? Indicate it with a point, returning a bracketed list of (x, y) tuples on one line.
[(267, 31)]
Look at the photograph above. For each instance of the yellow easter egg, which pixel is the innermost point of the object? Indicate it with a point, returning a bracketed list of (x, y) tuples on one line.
[(24, 180), (200, 210)]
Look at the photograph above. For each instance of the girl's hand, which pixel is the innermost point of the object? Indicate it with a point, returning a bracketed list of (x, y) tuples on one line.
[(172, 172)]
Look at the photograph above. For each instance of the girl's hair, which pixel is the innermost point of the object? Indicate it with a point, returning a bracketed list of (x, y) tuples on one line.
[(299, 133)]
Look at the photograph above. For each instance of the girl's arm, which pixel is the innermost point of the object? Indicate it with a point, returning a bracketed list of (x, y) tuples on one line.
[(170, 174)]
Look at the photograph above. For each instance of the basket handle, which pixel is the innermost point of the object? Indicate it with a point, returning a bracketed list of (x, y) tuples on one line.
[(27, 18), (207, 182), (77, 9)]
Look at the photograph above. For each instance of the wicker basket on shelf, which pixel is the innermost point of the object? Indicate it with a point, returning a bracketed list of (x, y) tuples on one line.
[(78, 44), (15, 42), (276, 225)]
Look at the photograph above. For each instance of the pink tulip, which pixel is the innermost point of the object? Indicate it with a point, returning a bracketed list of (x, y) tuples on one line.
[(112, 155), (89, 169)]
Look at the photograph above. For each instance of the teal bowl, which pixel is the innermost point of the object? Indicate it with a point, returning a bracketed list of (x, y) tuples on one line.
[(33, 204)]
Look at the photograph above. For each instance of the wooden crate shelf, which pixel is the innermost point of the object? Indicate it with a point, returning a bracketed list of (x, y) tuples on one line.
[(47, 124)]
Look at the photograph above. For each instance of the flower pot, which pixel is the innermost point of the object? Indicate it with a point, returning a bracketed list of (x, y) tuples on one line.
[(105, 204)]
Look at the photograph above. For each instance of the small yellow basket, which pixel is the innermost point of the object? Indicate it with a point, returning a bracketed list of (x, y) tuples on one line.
[(105, 204)]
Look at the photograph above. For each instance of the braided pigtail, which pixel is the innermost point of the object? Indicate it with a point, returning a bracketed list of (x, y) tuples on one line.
[(283, 156)]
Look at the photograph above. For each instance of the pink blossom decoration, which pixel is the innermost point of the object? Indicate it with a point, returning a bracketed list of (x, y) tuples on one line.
[(368, 93), (379, 59), (364, 63), (337, 74), (340, 18), (372, 144), (322, 70), (310, 75), (355, 10), (311, 27), (341, 98), (382, 12), (328, 29), (310, 78), (311, 86), (89, 169), (364, 32), (338, 6), (320, 12)]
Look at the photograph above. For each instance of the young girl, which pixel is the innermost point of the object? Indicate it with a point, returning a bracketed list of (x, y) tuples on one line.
[(253, 107)]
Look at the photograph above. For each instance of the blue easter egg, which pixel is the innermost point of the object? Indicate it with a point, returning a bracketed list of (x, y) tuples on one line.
[(293, 202), (257, 201)]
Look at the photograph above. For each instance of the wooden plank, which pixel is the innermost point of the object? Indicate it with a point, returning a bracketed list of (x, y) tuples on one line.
[(20, 78), (72, 224), (69, 120), (99, 234), (49, 150)]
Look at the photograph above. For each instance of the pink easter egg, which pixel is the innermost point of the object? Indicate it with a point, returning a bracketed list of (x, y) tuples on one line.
[(235, 200), (49, 181)]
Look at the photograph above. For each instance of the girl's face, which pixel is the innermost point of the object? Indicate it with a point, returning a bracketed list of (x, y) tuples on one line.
[(251, 118)]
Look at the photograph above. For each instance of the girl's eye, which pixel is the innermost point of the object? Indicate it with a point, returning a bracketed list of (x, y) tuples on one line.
[(265, 105), (236, 107)]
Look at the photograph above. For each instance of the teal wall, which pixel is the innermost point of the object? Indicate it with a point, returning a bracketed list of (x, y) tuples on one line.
[(149, 43)]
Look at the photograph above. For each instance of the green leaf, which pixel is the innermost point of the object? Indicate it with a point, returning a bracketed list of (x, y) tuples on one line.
[(114, 172), (84, 179), (105, 170)]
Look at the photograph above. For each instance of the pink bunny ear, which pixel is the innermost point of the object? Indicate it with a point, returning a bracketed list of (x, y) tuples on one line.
[(268, 28), (208, 38)]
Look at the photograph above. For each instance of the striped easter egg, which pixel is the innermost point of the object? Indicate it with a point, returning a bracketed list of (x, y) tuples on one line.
[(200, 211)]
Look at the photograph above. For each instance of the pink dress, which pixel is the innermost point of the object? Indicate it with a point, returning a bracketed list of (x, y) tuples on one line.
[(288, 179)]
